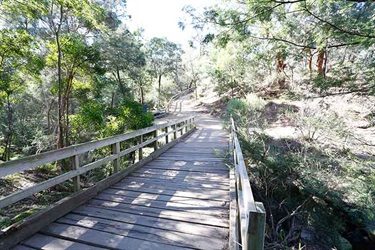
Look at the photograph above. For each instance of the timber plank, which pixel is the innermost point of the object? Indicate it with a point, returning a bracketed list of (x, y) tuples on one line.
[(196, 147), (177, 183), (170, 164), (201, 195), (189, 169), (101, 238), (21, 247), (189, 158), (161, 197), (175, 206), (184, 173), (152, 222), (181, 178), (196, 150), (144, 233), (173, 188), (161, 213), (194, 169), (40, 241), (184, 177)]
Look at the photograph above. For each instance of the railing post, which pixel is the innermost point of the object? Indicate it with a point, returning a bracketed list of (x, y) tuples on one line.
[(116, 162), (140, 151), (257, 227), (76, 180), (167, 136), (156, 142), (186, 125), (175, 131), (183, 127)]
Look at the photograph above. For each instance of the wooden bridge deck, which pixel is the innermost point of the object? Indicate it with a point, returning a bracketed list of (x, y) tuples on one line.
[(178, 201)]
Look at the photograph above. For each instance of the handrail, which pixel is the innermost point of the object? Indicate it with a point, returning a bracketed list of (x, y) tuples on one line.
[(182, 125), (184, 92), (250, 219)]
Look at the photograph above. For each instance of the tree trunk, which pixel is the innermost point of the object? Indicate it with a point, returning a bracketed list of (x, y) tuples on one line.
[(310, 62), (280, 66), (321, 63), (177, 79), (67, 121), (68, 90), (142, 94), (9, 134), (112, 100), (60, 131), (49, 117), (159, 90), (121, 86)]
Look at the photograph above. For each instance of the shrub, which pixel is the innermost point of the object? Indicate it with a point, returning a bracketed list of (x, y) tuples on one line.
[(238, 109), (246, 112)]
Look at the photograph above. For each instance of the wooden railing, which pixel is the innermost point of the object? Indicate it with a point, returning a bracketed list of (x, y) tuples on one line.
[(168, 131), (249, 216)]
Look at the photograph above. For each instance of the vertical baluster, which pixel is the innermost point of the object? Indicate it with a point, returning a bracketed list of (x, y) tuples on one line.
[(167, 136), (140, 151), (76, 180), (156, 142), (175, 131), (116, 162)]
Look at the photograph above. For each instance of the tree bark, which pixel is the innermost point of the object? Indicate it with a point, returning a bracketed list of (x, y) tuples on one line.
[(8, 141), (310, 61), (60, 131), (112, 99), (321, 63), (280, 66), (121, 86), (159, 90), (142, 94)]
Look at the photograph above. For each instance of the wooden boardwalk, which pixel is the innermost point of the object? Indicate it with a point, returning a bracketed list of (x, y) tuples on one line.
[(178, 201)]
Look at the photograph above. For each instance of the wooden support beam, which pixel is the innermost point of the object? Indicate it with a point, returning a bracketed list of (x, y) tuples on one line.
[(156, 142), (116, 162), (175, 132), (76, 180), (257, 227), (167, 136), (140, 151)]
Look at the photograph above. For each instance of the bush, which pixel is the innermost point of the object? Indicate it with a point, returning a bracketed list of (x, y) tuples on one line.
[(246, 112), (318, 123), (238, 109), (129, 116)]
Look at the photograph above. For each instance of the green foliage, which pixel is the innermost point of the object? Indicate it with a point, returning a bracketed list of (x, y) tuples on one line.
[(341, 31), (246, 112), (317, 123), (324, 189), (86, 124), (129, 116), (238, 109)]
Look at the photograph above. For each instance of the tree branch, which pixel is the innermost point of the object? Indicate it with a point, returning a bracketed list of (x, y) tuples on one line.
[(354, 33)]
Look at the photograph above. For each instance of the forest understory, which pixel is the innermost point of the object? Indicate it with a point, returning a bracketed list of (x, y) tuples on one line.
[(311, 160)]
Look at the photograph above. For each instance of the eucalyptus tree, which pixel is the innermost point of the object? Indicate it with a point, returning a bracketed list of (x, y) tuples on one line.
[(324, 35), (17, 60), (163, 56), (123, 55), (20, 63)]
